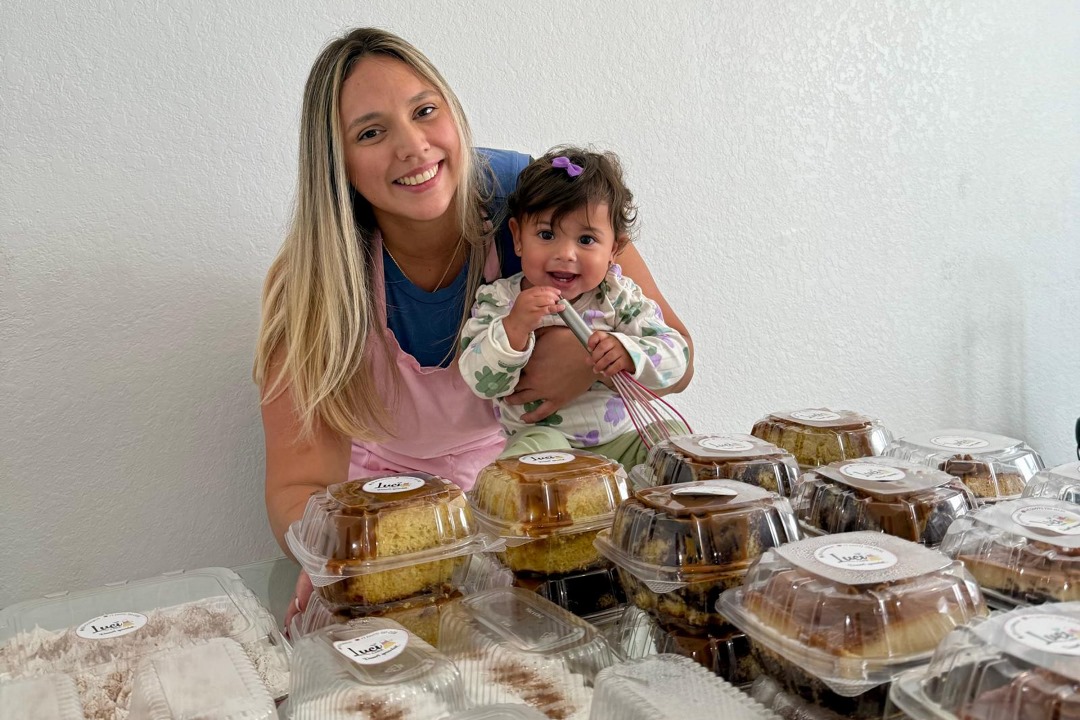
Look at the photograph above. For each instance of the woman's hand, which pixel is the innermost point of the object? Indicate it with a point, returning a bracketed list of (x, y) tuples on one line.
[(300, 600), (556, 374)]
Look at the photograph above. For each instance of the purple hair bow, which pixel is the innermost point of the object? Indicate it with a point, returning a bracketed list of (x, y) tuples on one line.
[(564, 162)]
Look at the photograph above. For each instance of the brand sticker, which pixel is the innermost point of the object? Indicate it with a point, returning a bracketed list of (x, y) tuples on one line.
[(705, 490), (111, 625), (958, 442), (1049, 633), (815, 415), (851, 556), (1047, 517), (375, 647), (548, 458), (870, 471), (725, 444), (396, 484)]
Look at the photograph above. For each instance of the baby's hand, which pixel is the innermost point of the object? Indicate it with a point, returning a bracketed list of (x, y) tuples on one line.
[(530, 308), (607, 355)]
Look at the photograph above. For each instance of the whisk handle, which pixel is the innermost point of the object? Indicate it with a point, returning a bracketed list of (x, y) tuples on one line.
[(575, 323)]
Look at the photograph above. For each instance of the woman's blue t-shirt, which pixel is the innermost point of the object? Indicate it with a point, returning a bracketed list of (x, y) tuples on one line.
[(426, 323)]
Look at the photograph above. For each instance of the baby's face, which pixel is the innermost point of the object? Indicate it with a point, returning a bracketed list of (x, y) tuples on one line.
[(572, 256)]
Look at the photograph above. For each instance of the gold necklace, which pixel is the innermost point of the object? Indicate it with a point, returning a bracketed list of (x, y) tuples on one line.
[(442, 277)]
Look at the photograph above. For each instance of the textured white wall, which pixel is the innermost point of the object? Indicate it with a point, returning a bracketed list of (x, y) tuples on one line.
[(866, 205)]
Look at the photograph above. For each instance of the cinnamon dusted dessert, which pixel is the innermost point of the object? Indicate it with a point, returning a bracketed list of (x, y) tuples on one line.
[(887, 495), (687, 458), (548, 508), (1058, 483), (819, 436)]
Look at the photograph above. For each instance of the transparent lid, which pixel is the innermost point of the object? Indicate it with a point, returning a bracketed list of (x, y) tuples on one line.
[(671, 535), (108, 629), (883, 494), (213, 679), (1022, 551), (544, 494), (1059, 483), (46, 697), (819, 436), (419, 616), (583, 593), (640, 476), (994, 467), (371, 668), (669, 686), (787, 705), (853, 609), (368, 526), (1020, 665), (513, 646), (500, 712), (732, 456)]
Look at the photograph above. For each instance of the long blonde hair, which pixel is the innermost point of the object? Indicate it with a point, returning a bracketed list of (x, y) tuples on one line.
[(318, 303)]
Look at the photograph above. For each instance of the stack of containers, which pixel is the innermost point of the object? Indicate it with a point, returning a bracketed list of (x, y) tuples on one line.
[(678, 547), (819, 436), (1021, 665), (1021, 552), (547, 508), (836, 619), (1059, 483), (994, 467), (395, 546)]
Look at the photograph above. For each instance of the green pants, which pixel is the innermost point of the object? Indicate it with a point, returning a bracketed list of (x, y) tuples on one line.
[(627, 449)]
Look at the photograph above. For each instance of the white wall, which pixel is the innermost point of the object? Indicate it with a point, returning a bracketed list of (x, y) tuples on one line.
[(865, 205)]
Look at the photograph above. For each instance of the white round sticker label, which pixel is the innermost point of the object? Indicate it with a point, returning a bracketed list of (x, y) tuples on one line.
[(1048, 633), (375, 647), (396, 484), (1046, 517), (870, 471), (710, 490), (548, 458), (815, 415), (725, 444), (852, 556), (958, 442), (111, 625)]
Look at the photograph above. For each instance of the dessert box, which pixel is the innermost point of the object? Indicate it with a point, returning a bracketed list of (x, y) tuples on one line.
[(499, 712), (669, 687), (883, 494), (678, 547), (100, 636), (1021, 552), (1020, 665), (367, 543), (512, 646), (994, 467), (835, 618), (789, 706), (583, 593), (819, 436), (371, 669), (733, 456), (548, 507), (45, 697), (1059, 483)]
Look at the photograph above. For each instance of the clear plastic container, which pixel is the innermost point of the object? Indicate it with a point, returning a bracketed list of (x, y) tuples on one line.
[(499, 712), (819, 436), (585, 593), (371, 669), (669, 687), (887, 495), (213, 680), (837, 617), (548, 507), (100, 635), (46, 697), (1021, 665), (374, 541), (513, 646), (790, 706), (678, 547), (639, 477), (1021, 552), (733, 456), (1059, 483), (994, 467)]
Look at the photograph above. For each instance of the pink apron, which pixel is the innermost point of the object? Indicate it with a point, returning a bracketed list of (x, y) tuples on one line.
[(442, 428)]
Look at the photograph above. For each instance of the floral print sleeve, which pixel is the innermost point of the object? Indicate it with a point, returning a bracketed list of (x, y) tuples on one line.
[(490, 367)]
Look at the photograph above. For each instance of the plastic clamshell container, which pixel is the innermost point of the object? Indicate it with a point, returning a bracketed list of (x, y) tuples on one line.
[(109, 629), (584, 593), (678, 547), (547, 507), (371, 669), (639, 477), (819, 436), (499, 712), (994, 467), (788, 705), (45, 697), (1021, 552), (1020, 665), (733, 456), (215, 679), (1059, 483), (883, 494), (669, 687), (513, 646), (373, 541), (833, 617)]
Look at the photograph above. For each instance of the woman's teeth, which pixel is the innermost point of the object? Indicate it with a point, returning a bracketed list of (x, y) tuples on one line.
[(421, 178)]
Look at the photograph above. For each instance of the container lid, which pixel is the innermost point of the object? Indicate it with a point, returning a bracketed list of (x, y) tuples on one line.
[(1051, 522), (824, 418), (46, 697), (502, 711), (950, 441), (720, 448), (883, 477), (1059, 483)]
